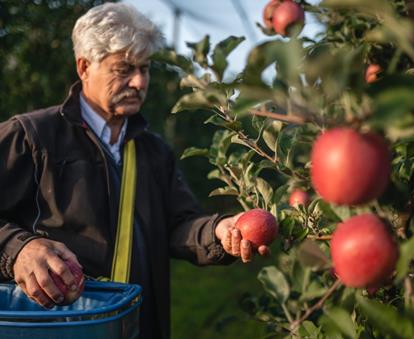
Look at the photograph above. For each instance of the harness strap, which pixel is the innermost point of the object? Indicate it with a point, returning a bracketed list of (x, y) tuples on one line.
[(121, 261)]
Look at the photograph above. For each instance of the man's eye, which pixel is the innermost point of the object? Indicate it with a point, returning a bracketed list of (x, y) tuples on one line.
[(122, 71)]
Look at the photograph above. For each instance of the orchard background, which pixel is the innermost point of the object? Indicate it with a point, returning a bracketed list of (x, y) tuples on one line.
[(255, 141)]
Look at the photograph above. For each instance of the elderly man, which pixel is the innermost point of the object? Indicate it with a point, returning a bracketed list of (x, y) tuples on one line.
[(61, 174)]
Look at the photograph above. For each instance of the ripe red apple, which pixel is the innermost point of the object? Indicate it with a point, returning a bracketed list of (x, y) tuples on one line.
[(364, 253), (286, 15), (350, 168), (70, 296), (268, 13), (371, 73), (258, 226), (299, 197)]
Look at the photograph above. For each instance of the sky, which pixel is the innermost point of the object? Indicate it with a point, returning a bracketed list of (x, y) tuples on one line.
[(217, 18)]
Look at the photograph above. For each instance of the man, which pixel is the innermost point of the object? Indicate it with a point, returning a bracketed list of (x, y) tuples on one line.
[(61, 172)]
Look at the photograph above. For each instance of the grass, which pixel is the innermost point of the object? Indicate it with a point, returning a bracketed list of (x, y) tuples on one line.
[(205, 300)]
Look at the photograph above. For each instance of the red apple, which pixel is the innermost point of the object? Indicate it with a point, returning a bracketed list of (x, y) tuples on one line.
[(268, 13), (299, 197), (371, 73), (350, 168), (364, 253), (70, 296), (286, 15), (258, 226)]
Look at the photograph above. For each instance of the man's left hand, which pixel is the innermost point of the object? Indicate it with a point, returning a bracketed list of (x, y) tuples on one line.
[(232, 240)]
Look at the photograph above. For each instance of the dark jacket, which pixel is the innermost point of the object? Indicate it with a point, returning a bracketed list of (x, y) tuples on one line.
[(54, 182)]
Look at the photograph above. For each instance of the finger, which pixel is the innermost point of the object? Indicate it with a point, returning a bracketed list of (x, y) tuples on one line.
[(66, 254), (235, 242), (46, 283), (264, 251), (35, 292), (57, 265), (227, 241), (246, 251)]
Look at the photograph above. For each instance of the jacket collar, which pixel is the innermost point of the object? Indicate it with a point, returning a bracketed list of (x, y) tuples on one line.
[(71, 111)]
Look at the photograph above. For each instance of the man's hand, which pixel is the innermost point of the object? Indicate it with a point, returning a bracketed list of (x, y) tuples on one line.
[(32, 266), (232, 241)]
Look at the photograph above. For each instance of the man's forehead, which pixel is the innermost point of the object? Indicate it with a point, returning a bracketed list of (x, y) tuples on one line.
[(127, 58)]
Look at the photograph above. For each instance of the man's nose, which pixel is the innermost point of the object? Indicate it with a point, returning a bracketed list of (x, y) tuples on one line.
[(138, 80)]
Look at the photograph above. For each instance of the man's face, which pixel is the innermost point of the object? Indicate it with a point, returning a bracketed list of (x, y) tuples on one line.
[(116, 87)]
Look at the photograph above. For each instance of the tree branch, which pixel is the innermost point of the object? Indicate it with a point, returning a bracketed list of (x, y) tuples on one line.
[(293, 119), (315, 307)]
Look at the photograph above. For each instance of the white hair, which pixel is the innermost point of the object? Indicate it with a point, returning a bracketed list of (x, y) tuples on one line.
[(112, 28)]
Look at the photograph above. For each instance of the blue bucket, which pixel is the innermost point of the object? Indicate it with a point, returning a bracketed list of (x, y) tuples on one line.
[(105, 310)]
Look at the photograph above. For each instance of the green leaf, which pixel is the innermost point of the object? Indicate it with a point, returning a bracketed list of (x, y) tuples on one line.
[(200, 50), (328, 212), (194, 151), (224, 191), (265, 190), (221, 52), (280, 193), (406, 256), (310, 255), (287, 55), (342, 320), (274, 283), (392, 98), (309, 330), (387, 318), (271, 133), (172, 58), (198, 100), (314, 290), (192, 81), (216, 120)]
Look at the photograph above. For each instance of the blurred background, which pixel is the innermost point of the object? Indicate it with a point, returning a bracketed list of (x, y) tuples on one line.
[(37, 68)]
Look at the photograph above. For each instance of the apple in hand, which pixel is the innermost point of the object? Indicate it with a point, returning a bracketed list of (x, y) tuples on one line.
[(364, 253), (258, 226), (287, 15), (348, 167), (69, 295)]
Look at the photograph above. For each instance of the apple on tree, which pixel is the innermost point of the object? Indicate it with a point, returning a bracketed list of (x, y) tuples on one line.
[(299, 197), (364, 253), (371, 73), (348, 167), (286, 16), (258, 226), (268, 13), (69, 295)]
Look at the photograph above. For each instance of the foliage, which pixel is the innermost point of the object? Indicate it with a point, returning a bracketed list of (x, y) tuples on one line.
[(261, 152)]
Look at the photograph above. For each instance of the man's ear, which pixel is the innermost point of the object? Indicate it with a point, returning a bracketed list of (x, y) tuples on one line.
[(82, 67)]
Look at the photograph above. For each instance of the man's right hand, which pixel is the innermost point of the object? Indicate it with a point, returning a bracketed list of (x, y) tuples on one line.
[(31, 270)]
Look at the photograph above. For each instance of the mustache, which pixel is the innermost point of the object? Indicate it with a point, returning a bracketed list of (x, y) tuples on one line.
[(127, 93)]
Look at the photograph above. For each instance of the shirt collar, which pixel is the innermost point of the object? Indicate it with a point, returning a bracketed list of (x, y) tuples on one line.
[(98, 124)]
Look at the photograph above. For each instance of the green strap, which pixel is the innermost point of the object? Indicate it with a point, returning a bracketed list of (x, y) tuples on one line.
[(121, 262)]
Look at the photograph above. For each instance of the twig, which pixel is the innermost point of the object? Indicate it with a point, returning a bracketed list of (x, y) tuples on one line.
[(317, 306), (409, 298), (294, 119), (320, 237)]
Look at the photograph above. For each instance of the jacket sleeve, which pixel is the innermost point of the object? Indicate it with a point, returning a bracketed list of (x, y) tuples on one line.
[(17, 192), (192, 233)]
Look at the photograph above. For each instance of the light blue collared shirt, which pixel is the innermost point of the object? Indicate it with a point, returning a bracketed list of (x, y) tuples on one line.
[(102, 130)]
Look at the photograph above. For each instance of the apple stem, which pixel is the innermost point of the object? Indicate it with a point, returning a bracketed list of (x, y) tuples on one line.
[(315, 307)]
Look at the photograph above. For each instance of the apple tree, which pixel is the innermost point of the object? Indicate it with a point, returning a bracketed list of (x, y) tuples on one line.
[(327, 146)]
